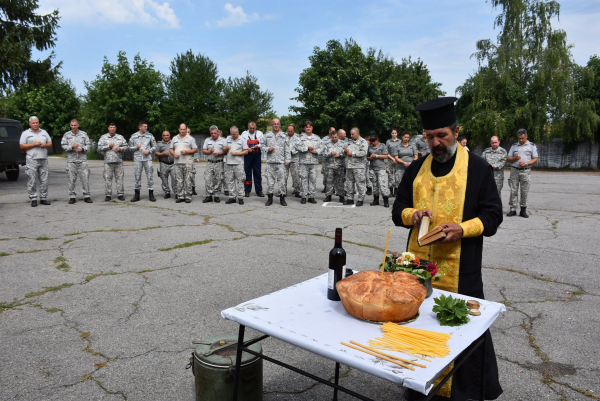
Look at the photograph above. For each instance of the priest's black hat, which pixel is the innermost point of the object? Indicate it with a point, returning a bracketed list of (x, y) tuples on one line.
[(437, 113)]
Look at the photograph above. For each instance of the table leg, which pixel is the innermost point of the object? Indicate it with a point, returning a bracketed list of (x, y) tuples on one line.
[(238, 361), (337, 379), (484, 349)]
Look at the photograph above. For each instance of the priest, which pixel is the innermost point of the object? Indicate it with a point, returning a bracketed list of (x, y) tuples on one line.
[(456, 189)]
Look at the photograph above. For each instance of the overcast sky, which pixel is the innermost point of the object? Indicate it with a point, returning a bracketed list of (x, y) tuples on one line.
[(273, 39)]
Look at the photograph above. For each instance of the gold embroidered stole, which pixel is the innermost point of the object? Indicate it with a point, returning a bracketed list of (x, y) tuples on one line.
[(445, 197)]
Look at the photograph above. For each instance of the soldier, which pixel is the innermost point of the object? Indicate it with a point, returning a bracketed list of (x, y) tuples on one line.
[(342, 138), (292, 168), (522, 155), (463, 141), (308, 146), (392, 145), (167, 164), (143, 145), (77, 143), (334, 162), (367, 175), (324, 142), (183, 147), (35, 142), (189, 132), (213, 148), (236, 148), (422, 146), (407, 153), (277, 146), (113, 145), (252, 161), (223, 178), (356, 152), (496, 157), (377, 154)]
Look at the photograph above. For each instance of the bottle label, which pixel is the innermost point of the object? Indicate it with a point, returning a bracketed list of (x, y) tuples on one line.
[(344, 272), (331, 279)]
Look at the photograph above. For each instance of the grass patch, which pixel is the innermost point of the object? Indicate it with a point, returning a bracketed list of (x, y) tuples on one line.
[(64, 267), (85, 334), (85, 377), (187, 245), (93, 276), (68, 241), (48, 289), (22, 237), (578, 292), (4, 254), (43, 238), (100, 364), (8, 305), (32, 251), (53, 310), (59, 259), (4, 239)]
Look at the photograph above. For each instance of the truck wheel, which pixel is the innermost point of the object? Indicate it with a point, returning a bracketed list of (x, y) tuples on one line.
[(12, 175)]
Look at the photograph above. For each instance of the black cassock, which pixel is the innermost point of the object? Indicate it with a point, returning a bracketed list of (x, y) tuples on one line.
[(481, 200)]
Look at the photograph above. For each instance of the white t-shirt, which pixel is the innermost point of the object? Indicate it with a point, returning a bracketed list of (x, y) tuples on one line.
[(28, 137)]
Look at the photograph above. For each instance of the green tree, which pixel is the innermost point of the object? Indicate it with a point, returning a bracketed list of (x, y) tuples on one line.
[(54, 103), (21, 29), (193, 91), (242, 101), (346, 87), (525, 80), (124, 94)]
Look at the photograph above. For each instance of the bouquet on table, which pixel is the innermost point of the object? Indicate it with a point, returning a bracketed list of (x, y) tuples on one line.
[(409, 263)]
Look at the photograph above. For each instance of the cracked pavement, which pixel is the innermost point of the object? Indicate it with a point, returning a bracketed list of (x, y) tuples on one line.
[(92, 308)]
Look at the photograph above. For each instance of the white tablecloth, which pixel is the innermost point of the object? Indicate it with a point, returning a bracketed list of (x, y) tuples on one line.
[(303, 316)]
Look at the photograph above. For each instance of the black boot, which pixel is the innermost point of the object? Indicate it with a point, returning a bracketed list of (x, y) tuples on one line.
[(270, 200), (282, 200), (194, 191), (523, 213), (349, 202), (136, 197), (392, 192), (303, 201), (209, 198), (230, 201), (216, 199), (342, 200), (375, 200), (327, 198), (167, 195), (107, 198), (151, 197), (297, 195), (370, 191), (359, 203), (121, 197), (261, 194), (386, 202), (511, 213), (312, 200)]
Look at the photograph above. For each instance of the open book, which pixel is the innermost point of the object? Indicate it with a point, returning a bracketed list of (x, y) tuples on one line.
[(427, 237)]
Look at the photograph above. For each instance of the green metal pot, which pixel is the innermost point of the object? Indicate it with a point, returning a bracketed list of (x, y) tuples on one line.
[(213, 366)]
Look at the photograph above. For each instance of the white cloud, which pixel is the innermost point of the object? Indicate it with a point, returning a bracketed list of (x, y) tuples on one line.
[(106, 12), (236, 16)]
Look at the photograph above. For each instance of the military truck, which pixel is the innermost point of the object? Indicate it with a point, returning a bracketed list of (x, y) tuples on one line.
[(11, 155)]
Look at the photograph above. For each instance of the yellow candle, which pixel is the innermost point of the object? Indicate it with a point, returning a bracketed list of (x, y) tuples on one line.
[(385, 252)]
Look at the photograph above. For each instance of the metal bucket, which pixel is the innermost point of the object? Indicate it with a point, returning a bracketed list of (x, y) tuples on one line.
[(213, 367)]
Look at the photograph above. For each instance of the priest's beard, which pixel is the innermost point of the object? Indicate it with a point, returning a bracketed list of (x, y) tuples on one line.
[(447, 154)]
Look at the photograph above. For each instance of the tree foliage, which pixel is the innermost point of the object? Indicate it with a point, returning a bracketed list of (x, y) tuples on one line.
[(346, 87), (193, 91), (124, 93), (525, 80), (21, 30), (54, 103), (242, 101)]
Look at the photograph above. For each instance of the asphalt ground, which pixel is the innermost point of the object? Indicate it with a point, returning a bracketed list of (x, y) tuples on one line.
[(102, 301)]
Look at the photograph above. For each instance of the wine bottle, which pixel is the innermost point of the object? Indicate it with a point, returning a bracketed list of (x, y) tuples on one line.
[(337, 261)]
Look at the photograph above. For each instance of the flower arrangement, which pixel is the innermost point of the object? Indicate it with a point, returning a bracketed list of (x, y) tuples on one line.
[(409, 263)]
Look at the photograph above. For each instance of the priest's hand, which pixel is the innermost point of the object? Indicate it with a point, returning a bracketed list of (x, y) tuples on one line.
[(453, 231), (416, 217)]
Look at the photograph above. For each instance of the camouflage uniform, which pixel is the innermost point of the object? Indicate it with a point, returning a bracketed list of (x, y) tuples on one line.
[(142, 161), (36, 163), (292, 168), (213, 174), (324, 142), (377, 171), (113, 162), (520, 175), (77, 164), (166, 167), (356, 171), (497, 158), (406, 154), (235, 174), (276, 160), (184, 171), (308, 163), (392, 149), (334, 167)]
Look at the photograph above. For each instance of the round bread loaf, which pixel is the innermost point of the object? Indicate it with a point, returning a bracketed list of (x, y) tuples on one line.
[(395, 298)]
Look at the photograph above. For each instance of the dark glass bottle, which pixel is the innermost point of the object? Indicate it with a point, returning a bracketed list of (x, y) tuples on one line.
[(337, 261)]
